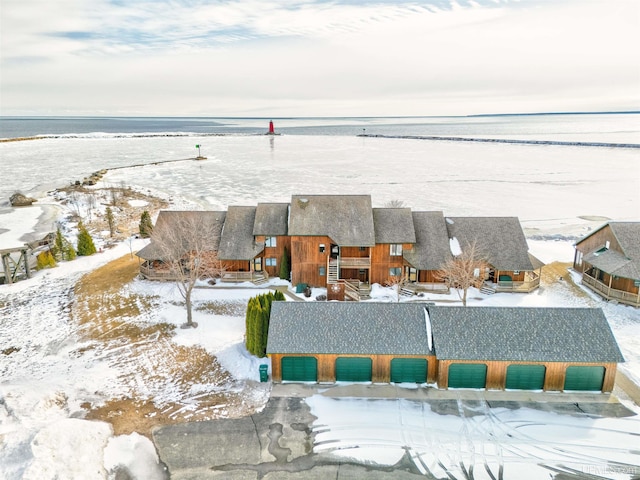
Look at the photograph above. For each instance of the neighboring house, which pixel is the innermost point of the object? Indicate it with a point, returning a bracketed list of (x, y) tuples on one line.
[(456, 347), (609, 260), (501, 242), (342, 243), (153, 266)]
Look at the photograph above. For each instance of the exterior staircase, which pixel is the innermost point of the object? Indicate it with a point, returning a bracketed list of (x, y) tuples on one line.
[(487, 289)]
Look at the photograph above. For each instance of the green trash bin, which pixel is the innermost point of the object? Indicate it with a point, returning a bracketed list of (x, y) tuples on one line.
[(264, 374), (301, 287)]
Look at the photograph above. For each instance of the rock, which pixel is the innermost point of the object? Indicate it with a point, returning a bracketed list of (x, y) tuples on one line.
[(20, 200)]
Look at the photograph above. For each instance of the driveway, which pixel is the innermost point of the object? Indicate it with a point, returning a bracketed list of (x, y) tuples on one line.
[(283, 442)]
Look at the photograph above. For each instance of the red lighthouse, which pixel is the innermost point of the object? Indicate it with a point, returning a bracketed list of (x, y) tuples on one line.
[(271, 130)]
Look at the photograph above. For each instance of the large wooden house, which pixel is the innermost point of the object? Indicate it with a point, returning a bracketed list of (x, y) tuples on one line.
[(342, 243), (609, 260), (551, 349)]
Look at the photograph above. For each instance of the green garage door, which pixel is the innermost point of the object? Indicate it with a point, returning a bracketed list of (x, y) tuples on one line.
[(525, 377), (299, 369), (584, 378), (411, 370), (467, 375), (353, 369)]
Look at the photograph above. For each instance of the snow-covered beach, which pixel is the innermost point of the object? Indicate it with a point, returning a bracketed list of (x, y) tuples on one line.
[(558, 192)]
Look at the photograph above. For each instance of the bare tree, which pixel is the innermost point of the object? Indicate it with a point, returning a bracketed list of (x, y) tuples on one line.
[(464, 271), (186, 243), (397, 282), (394, 204)]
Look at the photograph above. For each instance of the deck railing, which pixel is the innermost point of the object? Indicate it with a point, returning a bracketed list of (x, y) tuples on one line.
[(236, 277), (155, 273), (611, 293), (354, 262)]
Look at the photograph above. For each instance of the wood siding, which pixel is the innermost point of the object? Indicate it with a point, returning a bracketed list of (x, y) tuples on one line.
[(282, 242), (382, 261), (595, 241), (554, 376), (381, 366), (306, 259)]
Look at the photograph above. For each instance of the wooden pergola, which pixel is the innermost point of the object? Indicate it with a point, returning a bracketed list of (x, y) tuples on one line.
[(13, 269)]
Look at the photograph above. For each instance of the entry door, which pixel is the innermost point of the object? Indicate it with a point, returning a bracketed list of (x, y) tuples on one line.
[(257, 264)]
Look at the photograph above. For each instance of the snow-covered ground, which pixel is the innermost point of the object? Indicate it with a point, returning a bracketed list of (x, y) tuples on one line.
[(559, 193)]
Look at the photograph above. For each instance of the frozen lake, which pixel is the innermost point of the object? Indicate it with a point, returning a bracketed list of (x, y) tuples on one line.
[(552, 189)]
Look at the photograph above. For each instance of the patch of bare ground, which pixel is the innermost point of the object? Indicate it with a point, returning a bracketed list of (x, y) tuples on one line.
[(558, 272), (167, 383)]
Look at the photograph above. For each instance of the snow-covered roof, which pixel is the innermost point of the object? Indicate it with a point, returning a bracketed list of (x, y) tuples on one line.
[(499, 239)]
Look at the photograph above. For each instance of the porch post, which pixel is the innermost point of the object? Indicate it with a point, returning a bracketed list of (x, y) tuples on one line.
[(609, 289), (25, 257), (7, 271)]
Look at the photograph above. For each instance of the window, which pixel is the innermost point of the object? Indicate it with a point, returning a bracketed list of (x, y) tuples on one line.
[(270, 242), (578, 257), (362, 249), (321, 248), (322, 271), (396, 249), (395, 271), (516, 272), (270, 262)]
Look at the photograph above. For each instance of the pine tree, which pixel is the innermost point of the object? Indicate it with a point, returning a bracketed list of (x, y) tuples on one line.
[(111, 221), (284, 265), (86, 246), (62, 248), (146, 225)]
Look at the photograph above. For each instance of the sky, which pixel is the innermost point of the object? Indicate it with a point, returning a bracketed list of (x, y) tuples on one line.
[(317, 58)]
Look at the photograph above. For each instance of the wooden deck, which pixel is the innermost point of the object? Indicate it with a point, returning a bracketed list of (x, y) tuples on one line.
[(609, 293)]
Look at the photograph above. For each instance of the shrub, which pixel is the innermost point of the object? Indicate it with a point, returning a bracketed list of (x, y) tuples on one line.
[(284, 265), (257, 322), (45, 260)]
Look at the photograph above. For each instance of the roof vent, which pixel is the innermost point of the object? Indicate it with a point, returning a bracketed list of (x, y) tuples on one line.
[(303, 202)]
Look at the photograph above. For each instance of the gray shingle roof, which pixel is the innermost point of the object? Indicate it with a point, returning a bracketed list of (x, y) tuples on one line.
[(173, 218), (237, 242), (272, 219), (500, 239), (431, 249), (348, 328), (523, 334), (346, 219), (622, 264), (393, 225)]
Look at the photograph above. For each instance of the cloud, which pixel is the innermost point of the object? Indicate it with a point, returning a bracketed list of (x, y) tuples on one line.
[(317, 57)]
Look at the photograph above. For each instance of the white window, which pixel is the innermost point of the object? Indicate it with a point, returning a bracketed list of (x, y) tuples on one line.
[(322, 271), (578, 257), (607, 244), (270, 242), (270, 262), (321, 246), (396, 249), (476, 272), (395, 271)]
